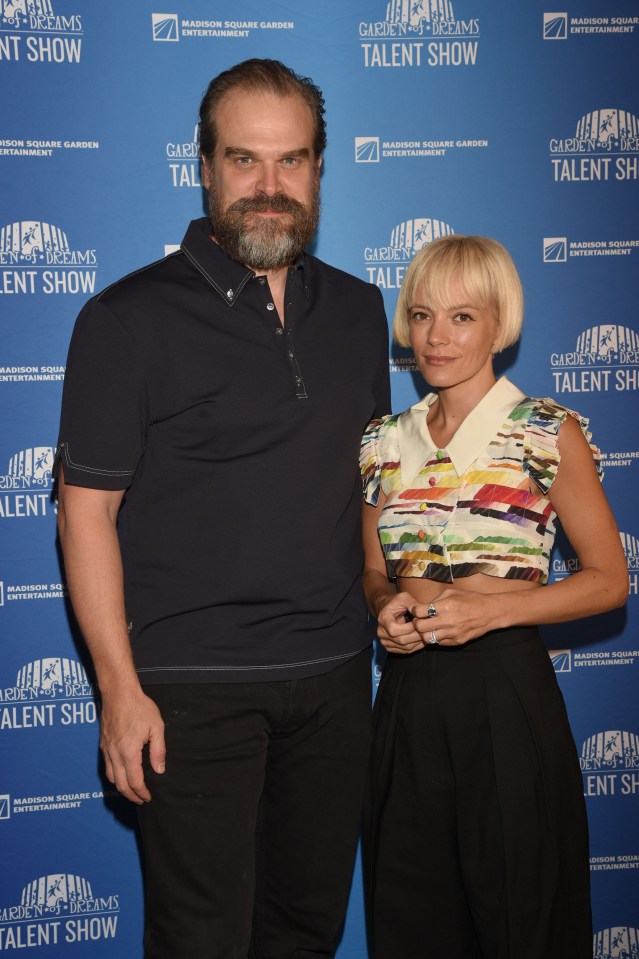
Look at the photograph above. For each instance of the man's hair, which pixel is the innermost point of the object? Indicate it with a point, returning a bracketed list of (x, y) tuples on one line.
[(484, 270), (260, 76)]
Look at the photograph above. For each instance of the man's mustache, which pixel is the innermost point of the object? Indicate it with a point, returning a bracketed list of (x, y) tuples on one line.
[(278, 203)]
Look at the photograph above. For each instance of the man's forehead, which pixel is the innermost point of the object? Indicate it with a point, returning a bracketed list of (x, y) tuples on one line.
[(248, 106)]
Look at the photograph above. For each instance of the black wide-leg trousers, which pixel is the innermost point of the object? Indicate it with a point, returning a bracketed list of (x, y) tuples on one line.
[(476, 843), (250, 837)]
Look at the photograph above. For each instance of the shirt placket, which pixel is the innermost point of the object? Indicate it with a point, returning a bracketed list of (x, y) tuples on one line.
[(285, 333)]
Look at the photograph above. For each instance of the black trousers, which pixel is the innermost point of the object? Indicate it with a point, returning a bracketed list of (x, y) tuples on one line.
[(476, 840), (249, 839)]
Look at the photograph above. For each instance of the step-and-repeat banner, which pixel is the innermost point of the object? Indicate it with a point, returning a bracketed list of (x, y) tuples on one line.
[(516, 121)]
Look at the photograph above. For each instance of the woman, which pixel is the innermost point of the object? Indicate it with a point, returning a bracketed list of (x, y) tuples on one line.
[(477, 838)]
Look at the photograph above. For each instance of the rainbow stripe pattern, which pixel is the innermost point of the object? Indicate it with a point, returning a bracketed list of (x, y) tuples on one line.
[(444, 526)]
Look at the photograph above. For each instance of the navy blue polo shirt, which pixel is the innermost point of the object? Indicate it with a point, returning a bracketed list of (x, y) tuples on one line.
[(236, 440)]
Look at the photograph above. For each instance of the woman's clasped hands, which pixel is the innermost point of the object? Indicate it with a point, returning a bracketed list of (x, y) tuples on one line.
[(453, 618)]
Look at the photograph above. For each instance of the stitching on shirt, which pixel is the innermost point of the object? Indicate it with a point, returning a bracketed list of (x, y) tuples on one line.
[(64, 451), (142, 269), (230, 301), (306, 662)]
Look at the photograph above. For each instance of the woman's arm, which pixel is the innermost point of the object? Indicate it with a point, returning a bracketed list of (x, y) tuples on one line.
[(387, 605), (600, 585)]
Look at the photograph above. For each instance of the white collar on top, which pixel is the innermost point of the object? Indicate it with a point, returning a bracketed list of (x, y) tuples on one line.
[(472, 437)]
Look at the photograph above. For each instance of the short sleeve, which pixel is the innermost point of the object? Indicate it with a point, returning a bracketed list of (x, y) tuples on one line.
[(103, 421), (370, 459), (541, 453)]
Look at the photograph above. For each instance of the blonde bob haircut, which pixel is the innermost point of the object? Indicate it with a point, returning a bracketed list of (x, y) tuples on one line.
[(484, 270)]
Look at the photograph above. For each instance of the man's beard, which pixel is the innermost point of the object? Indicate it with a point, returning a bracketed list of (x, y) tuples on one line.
[(264, 243)]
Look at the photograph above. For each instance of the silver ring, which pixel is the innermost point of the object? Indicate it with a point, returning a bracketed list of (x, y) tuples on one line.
[(432, 640), (432, 611)]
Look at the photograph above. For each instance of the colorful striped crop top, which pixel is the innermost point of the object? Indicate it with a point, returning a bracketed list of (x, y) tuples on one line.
[(467, 509)]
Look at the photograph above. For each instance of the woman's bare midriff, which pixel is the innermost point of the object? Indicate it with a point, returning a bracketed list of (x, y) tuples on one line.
[(427, 590)]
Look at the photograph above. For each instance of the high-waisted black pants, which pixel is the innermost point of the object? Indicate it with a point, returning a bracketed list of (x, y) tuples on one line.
[(476, 836)]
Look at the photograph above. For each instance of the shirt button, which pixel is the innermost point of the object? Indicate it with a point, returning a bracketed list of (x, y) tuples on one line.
[(422, 534), (440, 454), (278, 331), (422, 507), (432, 480), (270, 306), (291, 355), (229, 293), (298, 380), (261, 280)]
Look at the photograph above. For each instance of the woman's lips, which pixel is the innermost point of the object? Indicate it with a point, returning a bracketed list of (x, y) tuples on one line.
[(438, 360)]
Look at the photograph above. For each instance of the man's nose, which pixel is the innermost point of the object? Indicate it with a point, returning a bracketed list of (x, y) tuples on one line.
[(268, 180)]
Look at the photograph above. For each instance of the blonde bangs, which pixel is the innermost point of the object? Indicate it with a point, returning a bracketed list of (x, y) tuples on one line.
[(463, 271)]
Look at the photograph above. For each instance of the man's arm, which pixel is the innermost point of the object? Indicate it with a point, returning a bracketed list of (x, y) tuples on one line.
[(93, 563)]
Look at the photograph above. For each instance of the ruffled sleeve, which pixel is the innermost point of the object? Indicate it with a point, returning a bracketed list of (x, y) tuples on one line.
[(541, 454), (370, 459)]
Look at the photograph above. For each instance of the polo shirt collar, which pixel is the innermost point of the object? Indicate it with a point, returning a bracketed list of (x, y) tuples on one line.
[(472, 437), (227, 277)]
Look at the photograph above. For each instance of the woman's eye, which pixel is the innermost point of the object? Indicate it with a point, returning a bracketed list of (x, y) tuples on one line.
[(463, 317), (418, 317)]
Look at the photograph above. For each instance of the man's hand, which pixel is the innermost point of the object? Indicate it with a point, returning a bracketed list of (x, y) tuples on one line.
[(127, 725)]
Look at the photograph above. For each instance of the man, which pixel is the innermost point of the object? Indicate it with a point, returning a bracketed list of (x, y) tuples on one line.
[(212, 413)]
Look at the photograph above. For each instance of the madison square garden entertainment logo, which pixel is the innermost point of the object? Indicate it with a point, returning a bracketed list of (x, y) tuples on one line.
[(53, 691), (610, 764), (55, 909), (32, 30), (555, 26), (26, 486), (561, 660), (169, 28), (13, 147), (604, 146), (559, 249), (367, 149), (12, 805), (559, 26), (604, 359), (165, 27), (420, 33), (37, 257)]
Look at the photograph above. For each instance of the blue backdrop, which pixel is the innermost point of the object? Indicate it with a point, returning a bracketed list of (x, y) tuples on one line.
[(444, 116)]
